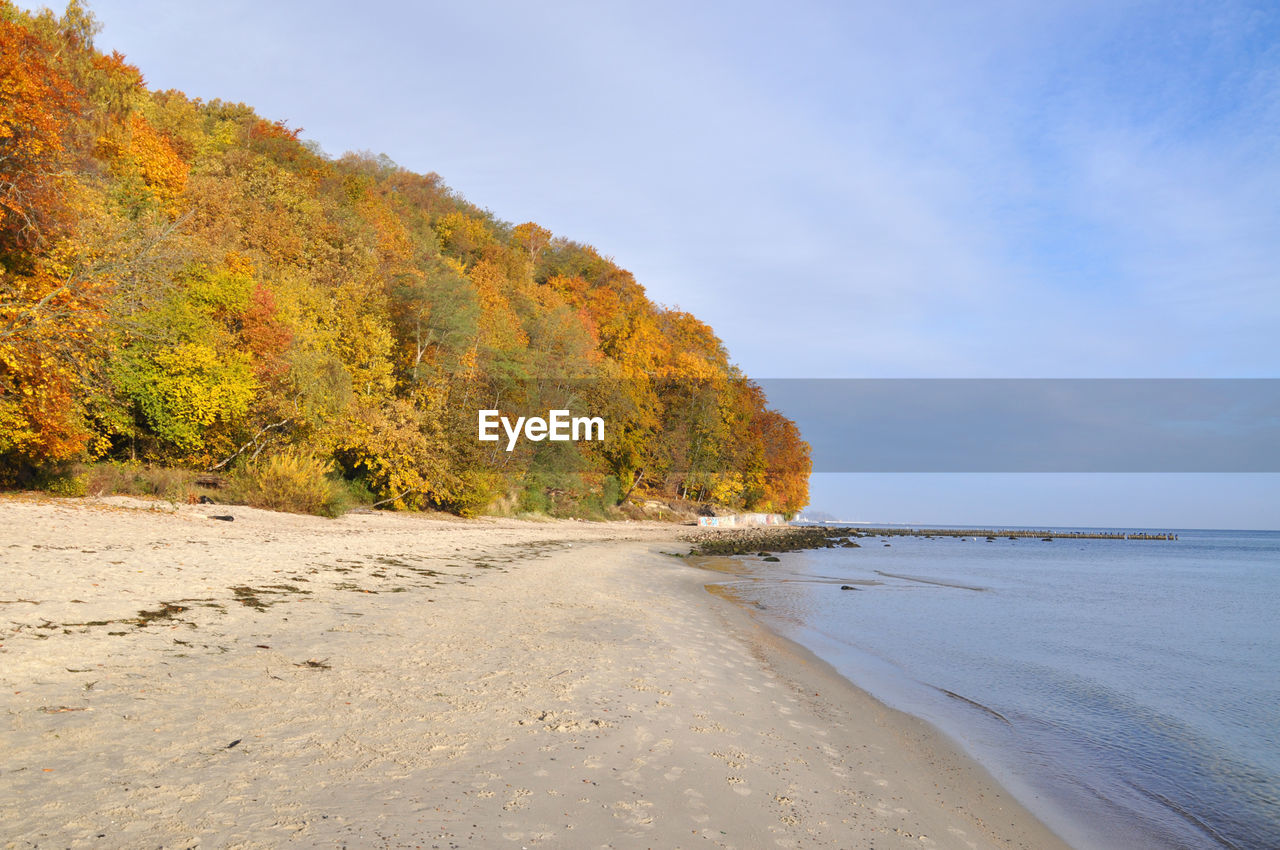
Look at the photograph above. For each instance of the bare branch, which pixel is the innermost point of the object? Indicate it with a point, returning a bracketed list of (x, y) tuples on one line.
[(394, 498), (256, 437)]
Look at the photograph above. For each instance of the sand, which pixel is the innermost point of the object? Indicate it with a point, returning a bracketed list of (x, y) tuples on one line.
[(382, 680)]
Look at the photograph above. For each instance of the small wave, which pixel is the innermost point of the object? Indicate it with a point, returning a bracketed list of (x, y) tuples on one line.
[(1208, 830), (865, 582), (938, 582), (976, 704)]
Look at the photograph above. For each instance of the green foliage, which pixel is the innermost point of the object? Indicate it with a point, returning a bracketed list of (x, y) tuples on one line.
[(436, 314), (185, 391), (353, 493), (181, 368), (534, 496)]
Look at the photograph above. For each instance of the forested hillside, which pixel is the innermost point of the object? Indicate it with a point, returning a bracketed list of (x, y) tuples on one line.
[(187, 284)]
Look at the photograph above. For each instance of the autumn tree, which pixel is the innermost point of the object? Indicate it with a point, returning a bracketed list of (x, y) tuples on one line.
[(190, 283)]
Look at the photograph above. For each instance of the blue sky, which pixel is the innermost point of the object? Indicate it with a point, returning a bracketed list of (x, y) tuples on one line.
[(902, 189)]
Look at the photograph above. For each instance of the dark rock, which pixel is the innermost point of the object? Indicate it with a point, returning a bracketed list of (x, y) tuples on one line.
[(762, 540), (223, 517), (849, 587), (773, 559)]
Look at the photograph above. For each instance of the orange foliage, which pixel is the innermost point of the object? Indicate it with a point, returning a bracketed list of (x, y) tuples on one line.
[(50, 336), (37, 105), (265, 335), (161, 168), (273, 130)]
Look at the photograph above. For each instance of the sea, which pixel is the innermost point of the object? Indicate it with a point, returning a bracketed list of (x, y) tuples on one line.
[(1125, 691)]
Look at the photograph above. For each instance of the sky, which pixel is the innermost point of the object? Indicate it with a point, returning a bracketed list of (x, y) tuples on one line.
[(841, 189)]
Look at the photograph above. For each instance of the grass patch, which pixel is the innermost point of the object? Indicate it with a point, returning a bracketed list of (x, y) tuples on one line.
[(136, 479)]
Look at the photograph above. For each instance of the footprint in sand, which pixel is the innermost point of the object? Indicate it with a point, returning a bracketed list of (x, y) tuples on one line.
[(517, 801)]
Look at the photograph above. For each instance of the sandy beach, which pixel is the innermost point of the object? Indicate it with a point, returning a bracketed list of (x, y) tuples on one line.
[(382, 680)]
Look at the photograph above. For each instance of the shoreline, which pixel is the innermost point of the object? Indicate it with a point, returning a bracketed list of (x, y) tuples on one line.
[(387, 679), (971, 779)]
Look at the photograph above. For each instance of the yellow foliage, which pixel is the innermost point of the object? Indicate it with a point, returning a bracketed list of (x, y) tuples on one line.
[(294, 481), (463, 234), (727, 487), (202, 399), (162, 169), (238, 264), (499, 325), (394, 244), (137, 150), (389, 449)]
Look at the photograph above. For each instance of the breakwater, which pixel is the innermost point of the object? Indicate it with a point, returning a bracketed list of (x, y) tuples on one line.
[(766, 540), (1010, 534)]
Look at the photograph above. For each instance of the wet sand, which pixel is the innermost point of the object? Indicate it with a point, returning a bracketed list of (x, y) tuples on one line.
[(399, 681)]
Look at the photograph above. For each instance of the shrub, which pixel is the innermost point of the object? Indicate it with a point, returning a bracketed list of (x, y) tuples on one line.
[(291, 481), (565, 495), (533, 498), (62, 481), (353, 492)]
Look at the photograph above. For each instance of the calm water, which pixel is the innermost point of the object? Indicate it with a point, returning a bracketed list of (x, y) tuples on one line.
[(1127, 692)]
